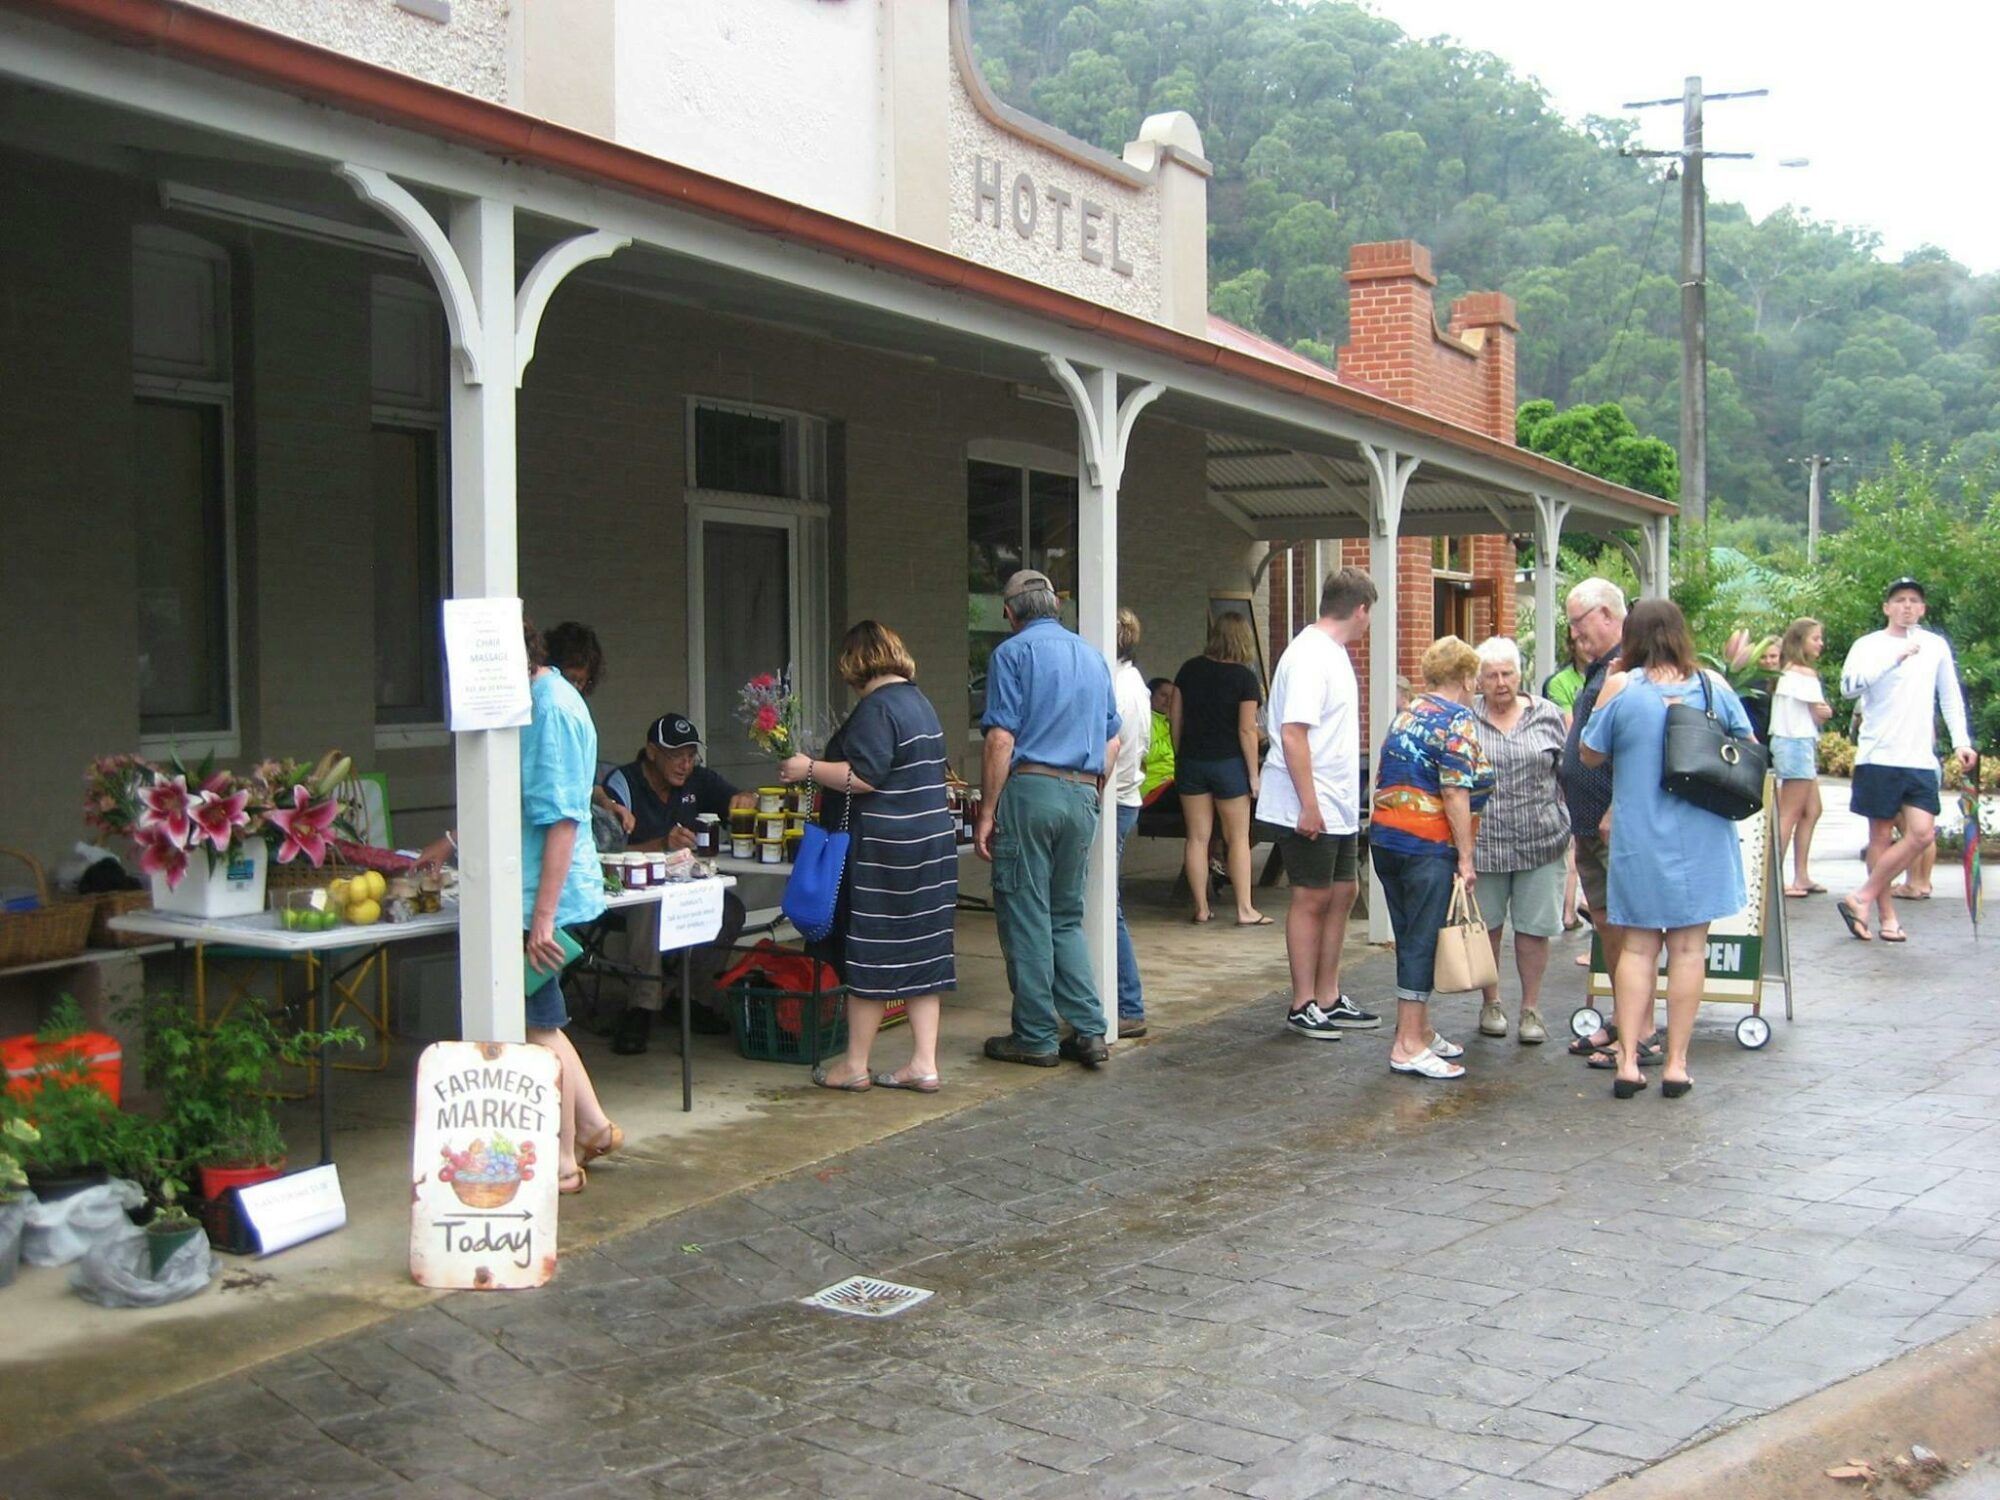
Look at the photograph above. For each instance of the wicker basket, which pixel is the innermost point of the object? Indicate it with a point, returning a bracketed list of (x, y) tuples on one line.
[(56, 929), (486, 1194), (117, 904), (304, 875)]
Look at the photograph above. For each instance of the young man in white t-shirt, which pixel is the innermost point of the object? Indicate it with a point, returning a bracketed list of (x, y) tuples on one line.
[(1902, 676), (1311, 792)]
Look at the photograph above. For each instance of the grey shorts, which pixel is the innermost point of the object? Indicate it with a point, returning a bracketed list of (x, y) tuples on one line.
[(1533, 898), (1315, 864)]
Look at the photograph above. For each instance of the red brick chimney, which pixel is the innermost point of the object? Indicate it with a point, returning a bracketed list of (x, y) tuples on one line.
[(1395, 348)]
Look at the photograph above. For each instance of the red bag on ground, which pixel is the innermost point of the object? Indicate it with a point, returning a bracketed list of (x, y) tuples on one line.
[(772, 967)]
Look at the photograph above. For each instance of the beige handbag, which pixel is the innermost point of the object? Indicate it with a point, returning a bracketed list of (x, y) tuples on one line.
[(1464, 954)]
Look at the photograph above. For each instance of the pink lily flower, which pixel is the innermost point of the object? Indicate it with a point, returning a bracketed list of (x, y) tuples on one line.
[(305, 825), (167, 804), (160, 855), (217, 816)]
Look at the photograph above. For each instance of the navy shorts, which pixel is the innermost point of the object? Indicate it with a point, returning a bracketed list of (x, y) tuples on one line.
[(1212, 778), (1881, 792)]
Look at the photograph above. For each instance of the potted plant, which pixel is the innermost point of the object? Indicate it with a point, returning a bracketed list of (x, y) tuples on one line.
[(171, 1227), (13, 1195), (214, 1079), (79, 1134), (215, 825)]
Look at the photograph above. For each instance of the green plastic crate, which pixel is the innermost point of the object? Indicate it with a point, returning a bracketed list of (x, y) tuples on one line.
[(788, 1026)]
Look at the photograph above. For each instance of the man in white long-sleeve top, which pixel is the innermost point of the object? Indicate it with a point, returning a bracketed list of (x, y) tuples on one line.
[(1902, 677)]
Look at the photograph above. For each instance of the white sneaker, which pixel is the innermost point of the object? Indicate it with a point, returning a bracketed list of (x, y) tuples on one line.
[(1531, 1032), (1492, 1021)]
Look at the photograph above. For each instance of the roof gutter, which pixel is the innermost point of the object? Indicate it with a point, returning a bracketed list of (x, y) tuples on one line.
[(188, 34)]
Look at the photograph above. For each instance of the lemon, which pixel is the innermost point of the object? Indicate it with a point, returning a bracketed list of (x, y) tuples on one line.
[(378, 885), (365, 913), (338, 891)]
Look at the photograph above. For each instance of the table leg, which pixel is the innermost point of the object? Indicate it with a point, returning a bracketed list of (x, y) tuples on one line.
[(687, 1031), (325, 967)]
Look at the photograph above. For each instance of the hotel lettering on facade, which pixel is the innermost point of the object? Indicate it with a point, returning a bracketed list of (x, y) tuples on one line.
[(716, 327)]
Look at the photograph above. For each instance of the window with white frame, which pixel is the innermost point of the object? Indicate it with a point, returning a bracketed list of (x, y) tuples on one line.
[(1018, 514), (407, 481), (184, 489), (749, 450)]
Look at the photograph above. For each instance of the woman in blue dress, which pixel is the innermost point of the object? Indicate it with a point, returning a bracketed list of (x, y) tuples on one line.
[(1674, 867), (893, 936)]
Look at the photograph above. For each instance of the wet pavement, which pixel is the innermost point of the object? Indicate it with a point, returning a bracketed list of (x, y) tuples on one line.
[(1233, 1262)]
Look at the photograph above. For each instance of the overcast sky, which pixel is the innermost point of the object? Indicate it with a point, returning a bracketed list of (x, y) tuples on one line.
[(1892, 104)]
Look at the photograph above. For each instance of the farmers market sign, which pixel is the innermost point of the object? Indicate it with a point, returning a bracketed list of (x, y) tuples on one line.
[(483, 1175)]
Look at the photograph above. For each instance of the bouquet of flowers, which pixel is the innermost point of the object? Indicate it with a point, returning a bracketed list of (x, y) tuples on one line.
[(171, 812), (769, 708)]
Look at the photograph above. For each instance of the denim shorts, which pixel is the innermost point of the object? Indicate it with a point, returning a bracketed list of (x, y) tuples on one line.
[(1212, 778), (1795, 757), (546, 1009)]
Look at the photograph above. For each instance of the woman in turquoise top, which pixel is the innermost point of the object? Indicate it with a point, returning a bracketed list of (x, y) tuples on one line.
[(1674, 867), (562, 885)]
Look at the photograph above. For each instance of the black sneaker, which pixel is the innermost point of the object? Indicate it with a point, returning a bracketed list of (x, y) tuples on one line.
[(1007, 1049), (1350, 1017), (1310, 1020)]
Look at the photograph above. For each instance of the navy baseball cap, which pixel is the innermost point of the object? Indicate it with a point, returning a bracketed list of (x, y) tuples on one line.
[(673, 732), (1904, 583)]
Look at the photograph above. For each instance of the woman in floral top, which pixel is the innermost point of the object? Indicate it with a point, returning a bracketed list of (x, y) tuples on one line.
[(1431, 780)]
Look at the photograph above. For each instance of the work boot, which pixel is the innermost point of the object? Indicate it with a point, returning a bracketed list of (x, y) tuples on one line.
[(1088, 1050), (634, 1029), (1008, 1049)]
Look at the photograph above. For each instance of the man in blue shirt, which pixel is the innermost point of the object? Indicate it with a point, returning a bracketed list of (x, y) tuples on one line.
[(1051, 727)]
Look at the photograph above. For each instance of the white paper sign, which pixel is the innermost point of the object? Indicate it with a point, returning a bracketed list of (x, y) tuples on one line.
[(690, 913), (288, 1211), (486, 664), (485, 1166)]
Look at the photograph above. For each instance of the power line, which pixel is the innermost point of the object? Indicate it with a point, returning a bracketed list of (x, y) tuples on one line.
[(1645, 270)]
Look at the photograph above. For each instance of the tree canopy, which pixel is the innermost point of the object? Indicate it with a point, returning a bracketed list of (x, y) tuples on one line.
[(1328, 126)]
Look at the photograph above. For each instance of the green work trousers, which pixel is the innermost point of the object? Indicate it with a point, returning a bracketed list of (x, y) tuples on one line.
[(1041, 850)]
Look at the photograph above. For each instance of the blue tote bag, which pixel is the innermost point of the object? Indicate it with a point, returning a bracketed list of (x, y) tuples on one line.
[(813, 892)]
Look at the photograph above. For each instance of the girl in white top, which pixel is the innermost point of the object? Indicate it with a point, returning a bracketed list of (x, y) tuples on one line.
[(1798, 708)]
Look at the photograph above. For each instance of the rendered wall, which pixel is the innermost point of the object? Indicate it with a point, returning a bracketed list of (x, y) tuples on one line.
[(781, 95), (469, 52)]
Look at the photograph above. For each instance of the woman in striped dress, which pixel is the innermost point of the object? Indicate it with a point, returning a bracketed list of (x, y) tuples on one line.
[(893, 928)]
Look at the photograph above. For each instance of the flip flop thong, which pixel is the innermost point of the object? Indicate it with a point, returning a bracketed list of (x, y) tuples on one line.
[(1260, 922), (1855, 926), (1893, 935)]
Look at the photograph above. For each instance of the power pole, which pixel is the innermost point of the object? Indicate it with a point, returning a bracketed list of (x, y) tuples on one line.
[(1816, 465), (1694, 290)]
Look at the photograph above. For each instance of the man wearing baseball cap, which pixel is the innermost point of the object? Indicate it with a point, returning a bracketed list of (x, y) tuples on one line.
[(666, 790), (1051, 725), (1901, 678)]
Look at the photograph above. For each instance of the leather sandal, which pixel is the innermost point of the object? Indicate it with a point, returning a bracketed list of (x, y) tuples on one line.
[(858, 1085), (1427, 1064), (606, 1141)]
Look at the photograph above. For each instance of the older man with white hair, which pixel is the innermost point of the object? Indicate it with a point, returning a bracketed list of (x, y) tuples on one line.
[(1523, 847), (1596, 613)]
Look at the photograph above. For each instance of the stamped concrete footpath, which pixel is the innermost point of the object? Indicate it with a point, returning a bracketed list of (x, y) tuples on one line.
[(1234, 1262)]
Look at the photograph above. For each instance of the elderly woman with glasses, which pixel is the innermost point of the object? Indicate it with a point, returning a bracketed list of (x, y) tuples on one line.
[(1523, 846)]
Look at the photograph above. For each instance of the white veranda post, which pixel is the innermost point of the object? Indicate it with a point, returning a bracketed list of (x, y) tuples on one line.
[(492, 332), (1549, 514), (1104, 427), (1388, 480)]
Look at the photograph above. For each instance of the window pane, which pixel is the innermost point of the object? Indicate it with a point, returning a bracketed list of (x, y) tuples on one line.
[(746, 586), (1052, 534), (408, 576), (994, 551), (183, 577), (740, 451)]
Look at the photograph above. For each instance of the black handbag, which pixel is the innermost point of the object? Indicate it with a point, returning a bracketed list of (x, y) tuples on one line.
[(1704, 763)]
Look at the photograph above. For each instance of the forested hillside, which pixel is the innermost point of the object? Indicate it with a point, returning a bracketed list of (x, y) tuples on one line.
[(1328, 126)]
